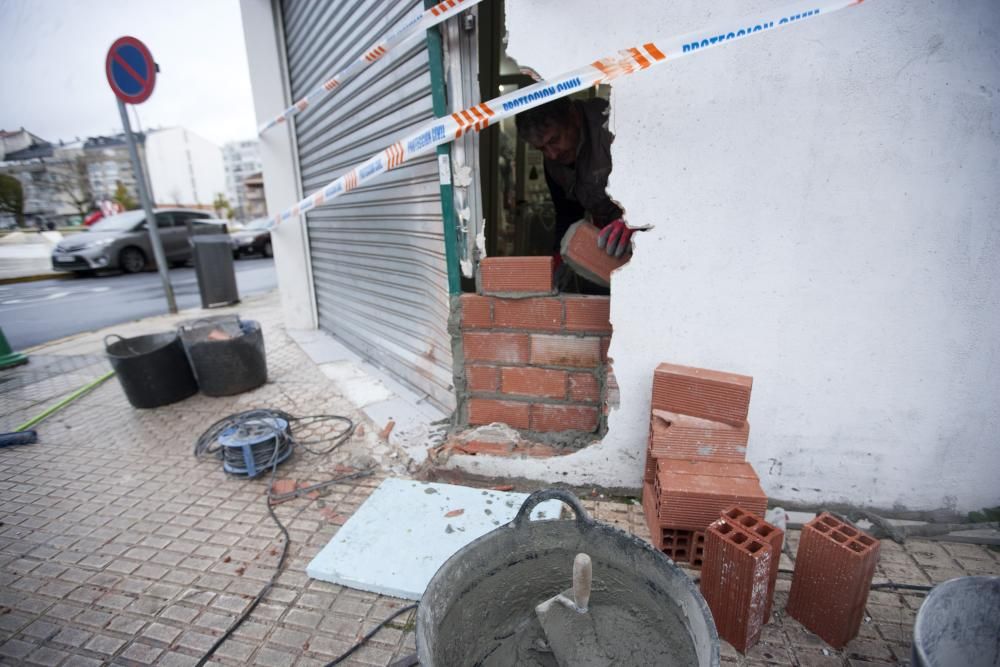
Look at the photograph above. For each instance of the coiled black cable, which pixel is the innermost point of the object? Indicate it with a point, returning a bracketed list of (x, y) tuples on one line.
[(267, 454)]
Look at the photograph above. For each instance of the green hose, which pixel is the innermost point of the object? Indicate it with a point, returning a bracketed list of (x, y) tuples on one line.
[(63, 403)]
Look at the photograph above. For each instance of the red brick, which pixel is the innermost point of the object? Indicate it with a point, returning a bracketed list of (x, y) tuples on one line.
[(699, 392), (533, 382), (538, 314), (649, 510), (588, 313), (476, 311), (504, 348), (734, 576), (605, 346), (583, 387), (486, 447), (834, 567), (762, 530), (650, 471), (482, 378), (677, 436), (698, 553), (550, 418), (517, 275), (487, 411), (570, 351), (579, 250), (692, 494)]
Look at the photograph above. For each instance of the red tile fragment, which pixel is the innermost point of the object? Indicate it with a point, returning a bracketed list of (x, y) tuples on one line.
[(734, 578), (834, 567), (454, 513), (700, 392), (517, 275)]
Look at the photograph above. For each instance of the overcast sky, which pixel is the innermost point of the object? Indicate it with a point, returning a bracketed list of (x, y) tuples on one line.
[(52, 69)]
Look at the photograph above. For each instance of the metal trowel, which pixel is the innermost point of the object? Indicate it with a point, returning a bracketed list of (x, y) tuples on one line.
[(568, 623)]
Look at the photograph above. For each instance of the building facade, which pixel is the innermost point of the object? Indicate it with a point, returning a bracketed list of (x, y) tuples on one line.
[(184, 168), (242, 162), (823, 221)]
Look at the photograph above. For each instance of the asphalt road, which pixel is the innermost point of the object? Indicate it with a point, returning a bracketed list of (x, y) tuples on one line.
[(38, 312)]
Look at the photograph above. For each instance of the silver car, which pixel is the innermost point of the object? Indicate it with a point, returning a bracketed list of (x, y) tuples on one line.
[(122, 241)]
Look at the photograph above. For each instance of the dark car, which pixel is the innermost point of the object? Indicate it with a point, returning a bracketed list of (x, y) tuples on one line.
[(122, 241), (253, 239)]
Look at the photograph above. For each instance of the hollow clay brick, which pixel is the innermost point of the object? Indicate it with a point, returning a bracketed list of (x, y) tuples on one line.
[(536, 314), (692, 494), (566, 351), (484, 379), (762, 530), (583, 387), (699, 392), (698, 549), (554, 418), (588, 313), (734, 575), (834, 567), (649, 505), (519, 276), (477, 311), (579, 250), (487, 411), (677, 436), (503, 348), (677, 544), (533, 382)]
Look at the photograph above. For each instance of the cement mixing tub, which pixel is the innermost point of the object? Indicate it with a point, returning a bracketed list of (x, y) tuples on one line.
[(152, 369), (479, 608), (959, 624)]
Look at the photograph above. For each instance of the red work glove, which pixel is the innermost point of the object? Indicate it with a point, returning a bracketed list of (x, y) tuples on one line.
[(614, 238)]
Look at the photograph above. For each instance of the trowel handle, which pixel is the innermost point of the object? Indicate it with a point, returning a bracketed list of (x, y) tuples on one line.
[(582, 577)]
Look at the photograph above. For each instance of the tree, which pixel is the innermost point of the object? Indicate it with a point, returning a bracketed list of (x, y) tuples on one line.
[(124, 199), (69, 178), (12, 198), (222, 207)]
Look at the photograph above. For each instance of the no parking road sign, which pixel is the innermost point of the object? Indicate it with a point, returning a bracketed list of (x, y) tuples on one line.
[(131, 70)]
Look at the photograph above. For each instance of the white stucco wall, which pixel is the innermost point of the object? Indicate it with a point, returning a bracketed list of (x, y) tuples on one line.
[(185, 169), (827, 220)]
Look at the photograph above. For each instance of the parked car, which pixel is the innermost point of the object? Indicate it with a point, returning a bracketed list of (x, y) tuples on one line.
[(253, 239), (122, 241)]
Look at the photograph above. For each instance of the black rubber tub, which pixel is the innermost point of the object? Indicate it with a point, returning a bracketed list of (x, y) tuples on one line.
[(153, 369), (226, 353), (479, 608)]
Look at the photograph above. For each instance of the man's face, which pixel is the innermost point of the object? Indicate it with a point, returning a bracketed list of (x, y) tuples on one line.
[(558, 142)]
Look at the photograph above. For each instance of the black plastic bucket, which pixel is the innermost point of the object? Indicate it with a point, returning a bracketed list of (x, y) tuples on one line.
[(226, 353), (959, 624), (152, 369)]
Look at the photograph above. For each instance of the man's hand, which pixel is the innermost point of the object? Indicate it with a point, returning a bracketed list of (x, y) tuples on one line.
[(614, 238)]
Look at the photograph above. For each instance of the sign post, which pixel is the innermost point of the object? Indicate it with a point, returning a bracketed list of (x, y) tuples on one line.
[(132, 74)]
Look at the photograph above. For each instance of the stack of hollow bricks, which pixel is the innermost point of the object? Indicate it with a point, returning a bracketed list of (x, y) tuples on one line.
[(695, 459), (534, 359)]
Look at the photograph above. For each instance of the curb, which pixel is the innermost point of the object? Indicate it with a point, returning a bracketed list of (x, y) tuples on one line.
[(34, 278)]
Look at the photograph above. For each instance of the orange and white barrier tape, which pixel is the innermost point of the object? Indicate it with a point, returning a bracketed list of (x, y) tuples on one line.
[(481, 116), (413, 26)]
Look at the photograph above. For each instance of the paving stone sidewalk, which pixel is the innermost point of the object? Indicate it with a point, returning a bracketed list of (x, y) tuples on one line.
[(118, 546)]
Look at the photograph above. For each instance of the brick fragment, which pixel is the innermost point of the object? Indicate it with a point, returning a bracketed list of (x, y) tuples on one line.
[(834, 567), (489, 447), (477, 311), (588, 313), (566, 351), (583, 387), (547, 417), (699, 392), (677, 436), (692, 494), (537, 314), (502, 348), (533, 382), (734, 578), (487, 411), (579, 250), (482, 378), (517, 275)]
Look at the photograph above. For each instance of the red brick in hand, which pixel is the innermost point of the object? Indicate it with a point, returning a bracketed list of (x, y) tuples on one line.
[(579, 250), (734, 578), (699, 392), (677, 436), (833, 574), (517, 275)]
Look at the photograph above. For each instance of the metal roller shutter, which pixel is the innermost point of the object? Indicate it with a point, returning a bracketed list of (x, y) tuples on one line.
[(378, 255)]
